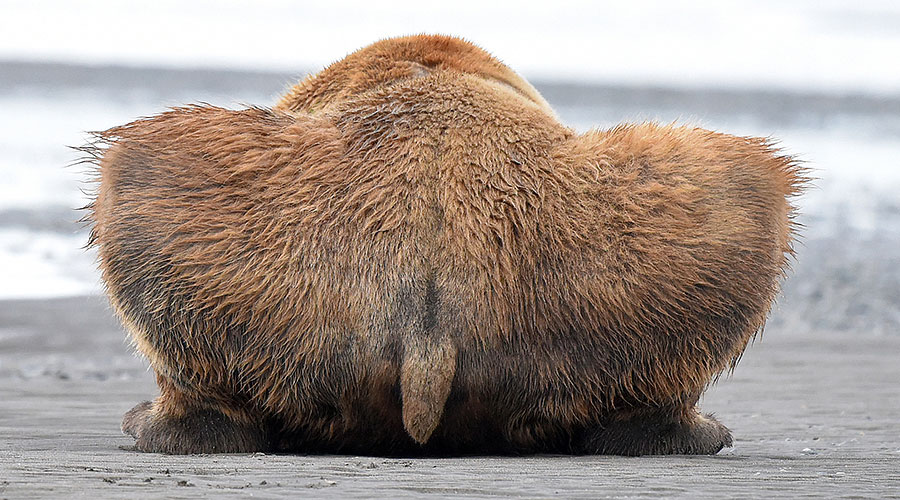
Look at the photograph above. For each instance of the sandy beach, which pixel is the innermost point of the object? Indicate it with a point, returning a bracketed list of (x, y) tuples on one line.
[(814, 405)]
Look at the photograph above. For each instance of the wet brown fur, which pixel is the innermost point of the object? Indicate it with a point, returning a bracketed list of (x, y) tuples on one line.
[(409, 254)]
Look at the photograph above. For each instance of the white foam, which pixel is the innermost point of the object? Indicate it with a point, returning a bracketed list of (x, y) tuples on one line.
[(42, 264), (35, 132)]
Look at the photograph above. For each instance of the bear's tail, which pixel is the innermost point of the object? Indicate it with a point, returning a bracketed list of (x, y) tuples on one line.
[(428, 364)]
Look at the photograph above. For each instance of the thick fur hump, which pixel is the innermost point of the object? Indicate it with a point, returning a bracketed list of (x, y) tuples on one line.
[(398, 59), (409, 254)]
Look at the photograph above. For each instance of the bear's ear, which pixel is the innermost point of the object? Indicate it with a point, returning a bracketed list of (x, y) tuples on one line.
[(661, 179), (200, 187), (167, 168), (671, 154), (204, 144)]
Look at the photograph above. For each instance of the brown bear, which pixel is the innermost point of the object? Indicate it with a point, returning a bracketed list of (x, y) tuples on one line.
[(411, 255)]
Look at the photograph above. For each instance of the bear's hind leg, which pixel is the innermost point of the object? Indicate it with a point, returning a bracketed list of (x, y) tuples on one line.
[(176, 424), (657, 431)]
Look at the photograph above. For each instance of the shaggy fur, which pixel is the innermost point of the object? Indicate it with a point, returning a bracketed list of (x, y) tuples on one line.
[(409, 254)]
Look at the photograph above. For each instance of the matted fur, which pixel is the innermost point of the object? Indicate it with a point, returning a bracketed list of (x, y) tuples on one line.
[(410, 254)]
